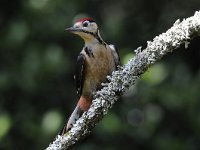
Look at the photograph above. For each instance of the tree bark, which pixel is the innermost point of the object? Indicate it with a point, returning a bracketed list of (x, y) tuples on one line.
[(120, 81)]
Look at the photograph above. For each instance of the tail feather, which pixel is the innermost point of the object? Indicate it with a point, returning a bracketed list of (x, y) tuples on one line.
[(83, 105), (72, 119)]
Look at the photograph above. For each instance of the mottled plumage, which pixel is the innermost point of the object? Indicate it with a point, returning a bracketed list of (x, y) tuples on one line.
[(96, 60)]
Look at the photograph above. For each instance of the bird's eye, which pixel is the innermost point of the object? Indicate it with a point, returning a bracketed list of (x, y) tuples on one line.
[(85, 24)]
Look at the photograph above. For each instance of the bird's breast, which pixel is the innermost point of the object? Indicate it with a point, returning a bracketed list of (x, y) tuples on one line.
[(99, 64)]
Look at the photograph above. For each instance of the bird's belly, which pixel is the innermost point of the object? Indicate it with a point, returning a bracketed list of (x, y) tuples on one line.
[(96, 73)]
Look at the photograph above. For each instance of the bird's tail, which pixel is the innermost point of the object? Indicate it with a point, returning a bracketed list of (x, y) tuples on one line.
[(72, 119), (83, 105)]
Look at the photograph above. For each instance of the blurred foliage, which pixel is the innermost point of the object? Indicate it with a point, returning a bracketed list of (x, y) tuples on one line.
[(37, 60)]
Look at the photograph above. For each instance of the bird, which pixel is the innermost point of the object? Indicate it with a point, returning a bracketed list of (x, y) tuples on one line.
[(96, 60)]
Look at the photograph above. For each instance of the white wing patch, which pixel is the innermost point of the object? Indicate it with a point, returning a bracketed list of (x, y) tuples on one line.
[(115, 54)]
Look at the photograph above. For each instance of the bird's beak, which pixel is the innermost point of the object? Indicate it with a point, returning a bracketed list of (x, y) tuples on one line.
[(71, 29)]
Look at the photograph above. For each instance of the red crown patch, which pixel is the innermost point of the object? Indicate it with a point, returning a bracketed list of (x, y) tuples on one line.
[(85, 19)]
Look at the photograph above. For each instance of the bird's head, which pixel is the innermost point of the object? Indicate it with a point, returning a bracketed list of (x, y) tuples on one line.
[(85, 28)]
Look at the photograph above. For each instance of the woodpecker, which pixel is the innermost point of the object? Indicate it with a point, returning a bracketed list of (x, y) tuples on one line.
[(96, 60)]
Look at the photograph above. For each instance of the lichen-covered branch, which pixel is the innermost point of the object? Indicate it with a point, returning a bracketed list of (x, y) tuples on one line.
[(121, 80)]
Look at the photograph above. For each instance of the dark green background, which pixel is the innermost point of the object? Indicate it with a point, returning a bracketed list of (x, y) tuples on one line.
[(37, 61)]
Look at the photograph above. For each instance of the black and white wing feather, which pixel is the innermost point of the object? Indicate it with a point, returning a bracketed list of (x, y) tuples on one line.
[(79, 74), (115, 53)]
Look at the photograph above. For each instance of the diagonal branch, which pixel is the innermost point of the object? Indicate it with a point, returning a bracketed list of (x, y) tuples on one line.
[(121, 80)]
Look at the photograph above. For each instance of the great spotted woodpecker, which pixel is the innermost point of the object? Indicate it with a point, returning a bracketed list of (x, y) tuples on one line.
[(96, 60)]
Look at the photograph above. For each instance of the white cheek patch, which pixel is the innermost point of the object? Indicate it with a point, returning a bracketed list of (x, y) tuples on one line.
[(92, 27)]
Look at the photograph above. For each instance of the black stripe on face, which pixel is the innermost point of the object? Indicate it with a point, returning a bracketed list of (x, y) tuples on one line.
[(89, 52), (95, 35)]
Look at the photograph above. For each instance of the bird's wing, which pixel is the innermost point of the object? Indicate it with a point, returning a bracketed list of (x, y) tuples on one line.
[(115, 53), (79, 73)]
